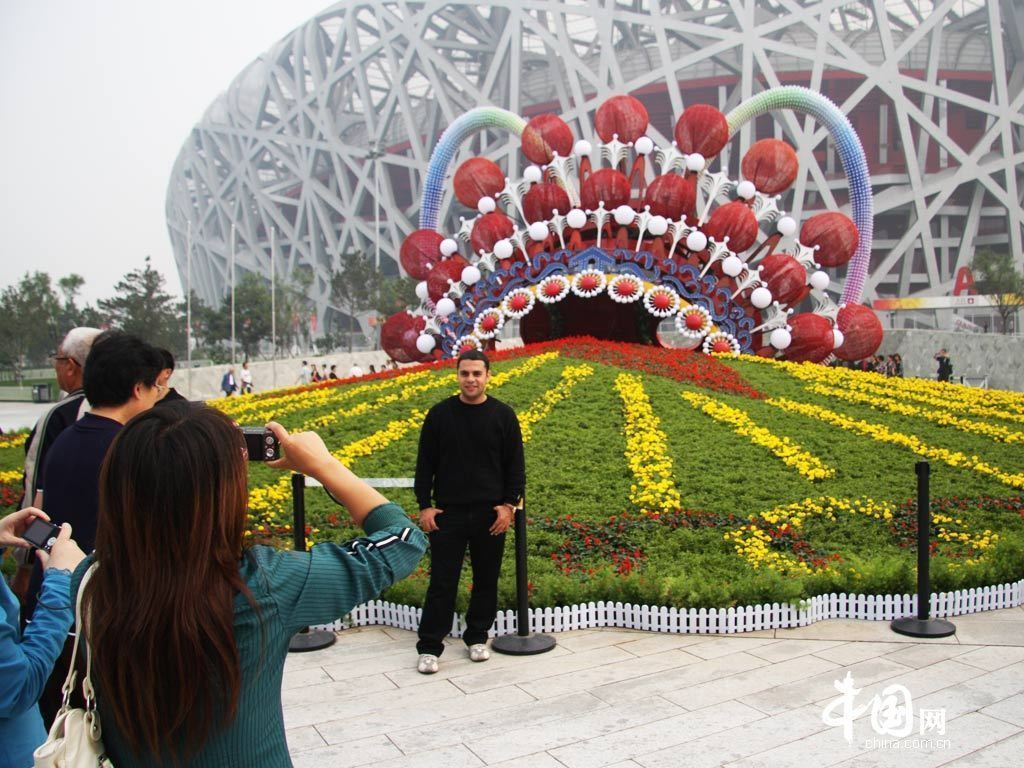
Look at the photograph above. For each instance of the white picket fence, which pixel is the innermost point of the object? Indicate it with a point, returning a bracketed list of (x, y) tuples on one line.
[(707, 620)]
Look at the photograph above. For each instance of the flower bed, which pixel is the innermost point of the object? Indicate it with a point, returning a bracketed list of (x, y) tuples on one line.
[(675, 479)]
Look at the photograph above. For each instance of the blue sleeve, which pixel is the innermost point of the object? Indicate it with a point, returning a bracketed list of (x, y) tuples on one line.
[(26, 663), (325, 583)]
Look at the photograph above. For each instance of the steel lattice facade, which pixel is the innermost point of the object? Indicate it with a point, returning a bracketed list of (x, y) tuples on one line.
[(320, 145)]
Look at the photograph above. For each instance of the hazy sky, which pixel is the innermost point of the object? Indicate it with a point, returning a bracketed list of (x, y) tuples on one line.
[(97, 98)]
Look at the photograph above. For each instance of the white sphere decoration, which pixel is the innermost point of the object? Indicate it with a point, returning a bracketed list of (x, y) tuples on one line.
[(448, 247), (820, 280), (425, 343), (486, 204), (696, 240), (780, 338), (732, 265), (657, 226), (538, 230), (644, 145), (745, 190), (576, 218), (787, 226), (624, 215), (421, 290), (695, 162), (761, 297), (582, 147), (839, 338), (444, 307), (471, 275), (503, 249), (533, 174)]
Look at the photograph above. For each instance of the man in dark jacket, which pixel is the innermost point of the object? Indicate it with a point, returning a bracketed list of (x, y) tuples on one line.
[(470, 475)]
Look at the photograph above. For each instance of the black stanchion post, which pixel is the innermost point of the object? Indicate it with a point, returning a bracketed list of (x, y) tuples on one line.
[(922, 625), (306, 640), (523, 643)]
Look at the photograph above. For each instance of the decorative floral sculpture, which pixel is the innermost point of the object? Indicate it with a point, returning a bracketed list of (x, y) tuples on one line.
[(647, 226)]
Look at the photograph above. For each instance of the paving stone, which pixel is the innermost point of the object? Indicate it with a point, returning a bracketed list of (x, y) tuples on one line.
[(851, 630), (414, 713), (676, 679), (455, 663), (992, 657), (659, 735), (723, 646), (981, 632), (926, 654), (1002, 754), (349, 755), (988, 690), (518, 741), (1011, 710), (343, 701), (535, 760), (646, 643), (745, 683), (605, 674), (333, 690), (851, 653), (303, 737), (783, 650), (300, 678), (522, 669)]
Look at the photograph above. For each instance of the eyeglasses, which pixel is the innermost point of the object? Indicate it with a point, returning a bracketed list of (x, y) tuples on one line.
[(160, 389), (55, 357)]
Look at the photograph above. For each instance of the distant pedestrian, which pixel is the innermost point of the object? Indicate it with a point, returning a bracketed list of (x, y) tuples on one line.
[(945, 372), (897, 365), (168, 394), (372, 369), (228, 385), (333, 373), (355, 371), (305, 373), (246, 377), (315, 374)]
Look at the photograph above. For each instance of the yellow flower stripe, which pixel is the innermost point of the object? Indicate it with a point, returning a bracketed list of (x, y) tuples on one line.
[(791, 454), (987, 403), (540, 408), (752, 542), (883, 434), (10, 477), (945, 418), (316, 397), (654, 491), (13, 441)]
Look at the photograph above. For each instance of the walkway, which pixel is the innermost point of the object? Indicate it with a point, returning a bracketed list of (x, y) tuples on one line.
[(627, 699)]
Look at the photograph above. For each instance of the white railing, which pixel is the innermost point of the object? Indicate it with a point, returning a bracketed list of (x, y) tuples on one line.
[(706, 620)]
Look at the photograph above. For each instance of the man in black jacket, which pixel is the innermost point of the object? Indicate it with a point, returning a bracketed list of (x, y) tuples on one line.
[(470, 475)]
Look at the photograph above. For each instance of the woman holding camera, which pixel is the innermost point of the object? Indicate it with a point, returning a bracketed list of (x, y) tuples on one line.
[(26, 659), (188, 628)]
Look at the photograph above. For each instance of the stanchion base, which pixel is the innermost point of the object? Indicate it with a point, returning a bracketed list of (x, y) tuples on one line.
[(523, 645), (313, 640), (915, 627)]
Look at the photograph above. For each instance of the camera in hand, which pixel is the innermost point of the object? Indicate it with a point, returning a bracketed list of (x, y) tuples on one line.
[(41, 534), (261, 444)]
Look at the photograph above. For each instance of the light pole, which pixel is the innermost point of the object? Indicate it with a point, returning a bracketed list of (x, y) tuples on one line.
[(188, 304), (373, 156), (232, 294)]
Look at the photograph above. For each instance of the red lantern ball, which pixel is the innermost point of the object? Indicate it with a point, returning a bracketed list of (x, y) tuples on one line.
[(771, 164), (835, 233), (543, 136), (661, 301), (812, 338), (489, 323), (589, 282), (489, 229), (608, 185), (541, 199), (701, 128), (518, 302), (478, 177), (438, 279), (420, 251), (721, 346), (672, 196), (862, 332), (694, 321), (786, 278), (736, 221), (624, 116), (398, 337)]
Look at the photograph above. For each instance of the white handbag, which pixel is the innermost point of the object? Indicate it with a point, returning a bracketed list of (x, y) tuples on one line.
[(75, 739)]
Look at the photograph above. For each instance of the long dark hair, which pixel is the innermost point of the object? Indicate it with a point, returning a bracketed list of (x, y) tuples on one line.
[(160, 605)]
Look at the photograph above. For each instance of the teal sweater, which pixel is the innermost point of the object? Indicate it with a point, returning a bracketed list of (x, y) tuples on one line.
[(292, 590)]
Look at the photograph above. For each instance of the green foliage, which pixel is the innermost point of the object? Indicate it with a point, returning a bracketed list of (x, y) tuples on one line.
[(142, 306), (996, 274)]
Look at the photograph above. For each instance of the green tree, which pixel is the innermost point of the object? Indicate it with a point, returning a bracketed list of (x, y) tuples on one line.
[(252, 313), (142, 306), (355, 287), (70, 315), (29, 318), (995, 274)]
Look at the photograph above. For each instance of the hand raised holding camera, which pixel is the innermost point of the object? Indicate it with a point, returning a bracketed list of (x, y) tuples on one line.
[(13, 526), (65, 552)]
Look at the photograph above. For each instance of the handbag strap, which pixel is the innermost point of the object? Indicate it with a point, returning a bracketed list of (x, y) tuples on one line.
[(69, 681)]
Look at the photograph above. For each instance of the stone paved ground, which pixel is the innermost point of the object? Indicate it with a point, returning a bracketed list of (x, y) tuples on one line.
[(627, 699)]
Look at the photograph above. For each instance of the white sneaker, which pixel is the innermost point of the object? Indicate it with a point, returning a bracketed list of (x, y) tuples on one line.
[(479, 652), (427, 664)]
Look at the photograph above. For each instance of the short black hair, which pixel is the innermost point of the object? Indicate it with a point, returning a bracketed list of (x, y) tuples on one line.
[(168, 358), (473, 354), (116, 363)]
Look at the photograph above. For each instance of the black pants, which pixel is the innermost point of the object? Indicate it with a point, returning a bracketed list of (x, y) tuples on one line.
[(459, 527)]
